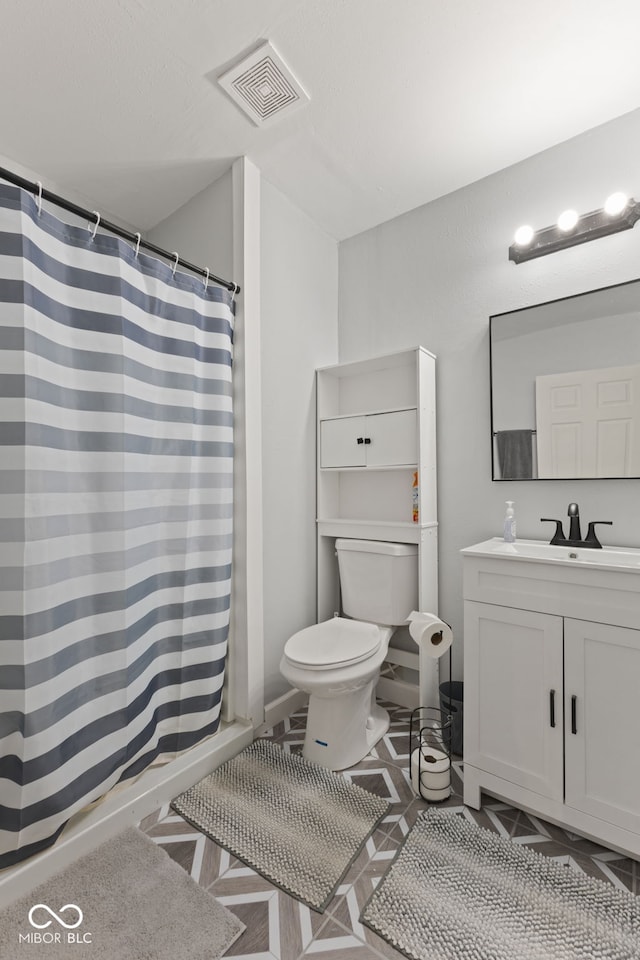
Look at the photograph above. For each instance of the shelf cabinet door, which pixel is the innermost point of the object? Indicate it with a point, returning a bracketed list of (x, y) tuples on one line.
[(339, 445), (393, 438), (374, 440), (602, 721), (513, 672)]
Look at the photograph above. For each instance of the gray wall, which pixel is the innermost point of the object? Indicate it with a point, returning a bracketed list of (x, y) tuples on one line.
[(201, 231), (299, 306), (435, 275)]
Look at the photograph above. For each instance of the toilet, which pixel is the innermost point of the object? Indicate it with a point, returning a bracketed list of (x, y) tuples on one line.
[(338, 662)]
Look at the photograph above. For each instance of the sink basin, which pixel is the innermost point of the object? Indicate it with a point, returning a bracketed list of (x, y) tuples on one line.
[(621, 558)]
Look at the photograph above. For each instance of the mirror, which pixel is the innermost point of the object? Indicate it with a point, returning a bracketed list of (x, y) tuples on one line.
[(565, 387)]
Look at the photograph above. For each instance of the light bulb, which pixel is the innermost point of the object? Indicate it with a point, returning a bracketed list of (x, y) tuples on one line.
[(567, 220), (523, 235), (615, 204)]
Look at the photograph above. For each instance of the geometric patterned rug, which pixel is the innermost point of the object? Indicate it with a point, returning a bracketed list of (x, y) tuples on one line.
[(459, 892), (299, 825)]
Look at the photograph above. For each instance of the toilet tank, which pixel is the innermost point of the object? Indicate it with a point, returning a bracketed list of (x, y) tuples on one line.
[(378, 580)]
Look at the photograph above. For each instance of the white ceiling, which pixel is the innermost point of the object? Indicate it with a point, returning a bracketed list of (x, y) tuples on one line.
[(117, 100)]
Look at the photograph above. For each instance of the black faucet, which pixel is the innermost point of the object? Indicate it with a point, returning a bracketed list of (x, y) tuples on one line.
[(575, 538), (573, 512)]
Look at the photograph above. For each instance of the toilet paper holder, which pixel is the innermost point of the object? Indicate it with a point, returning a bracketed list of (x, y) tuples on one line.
[(430, 753), (430, 739)]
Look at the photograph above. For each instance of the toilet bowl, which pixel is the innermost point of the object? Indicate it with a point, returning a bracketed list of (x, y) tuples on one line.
[(338, 662)]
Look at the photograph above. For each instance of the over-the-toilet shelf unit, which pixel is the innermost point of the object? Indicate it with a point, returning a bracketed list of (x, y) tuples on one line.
[(376, 427)]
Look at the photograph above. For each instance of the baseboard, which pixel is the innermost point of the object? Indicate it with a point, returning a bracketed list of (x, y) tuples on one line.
[(281, 708), (123, 807), (397, 691)]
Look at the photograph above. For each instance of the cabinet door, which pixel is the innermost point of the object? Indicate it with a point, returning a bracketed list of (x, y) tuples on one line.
[(602, 721), (339, 445), (513, 722), (393, 438), (374, 440)]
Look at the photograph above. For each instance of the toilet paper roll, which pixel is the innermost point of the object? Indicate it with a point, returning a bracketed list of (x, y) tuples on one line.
[(433, 766), (435, 796), (432, 635), (432, 760)]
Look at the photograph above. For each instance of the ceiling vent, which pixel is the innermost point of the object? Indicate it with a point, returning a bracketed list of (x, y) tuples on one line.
[(263, 86)]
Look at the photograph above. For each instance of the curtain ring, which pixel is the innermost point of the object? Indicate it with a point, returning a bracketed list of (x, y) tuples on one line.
[(39, 197), (138, 244), (97, 224), (175, 266), (206, 277)]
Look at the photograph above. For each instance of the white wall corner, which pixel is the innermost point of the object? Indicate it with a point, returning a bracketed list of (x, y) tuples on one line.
[(281, 709), (247, 605)]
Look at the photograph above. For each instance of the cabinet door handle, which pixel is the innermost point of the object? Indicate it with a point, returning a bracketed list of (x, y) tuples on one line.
[(360, 440), (552, 708), (574, 723), (367, 439)]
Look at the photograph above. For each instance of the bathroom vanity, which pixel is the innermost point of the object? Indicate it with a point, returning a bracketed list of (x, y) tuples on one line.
[(552, 684)]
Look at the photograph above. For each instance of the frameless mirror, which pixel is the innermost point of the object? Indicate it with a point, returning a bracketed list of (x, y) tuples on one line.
[(565, 387)]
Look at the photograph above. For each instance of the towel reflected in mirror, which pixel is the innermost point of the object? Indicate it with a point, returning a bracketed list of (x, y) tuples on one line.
[(515, 454)]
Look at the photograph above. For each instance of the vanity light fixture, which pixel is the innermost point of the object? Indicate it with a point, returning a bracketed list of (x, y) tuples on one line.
[(568, 220), (619, 213)]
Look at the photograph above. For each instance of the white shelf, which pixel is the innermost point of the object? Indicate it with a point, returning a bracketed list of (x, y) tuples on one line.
[(371, 497), (369, 413), (403, 532), (370, 468), (405, 358)]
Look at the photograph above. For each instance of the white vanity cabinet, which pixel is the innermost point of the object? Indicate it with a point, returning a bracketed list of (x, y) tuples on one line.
[(552, 684), (514, 655), (602, 722)]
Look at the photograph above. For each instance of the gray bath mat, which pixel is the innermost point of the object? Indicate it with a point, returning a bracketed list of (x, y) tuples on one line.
[(459, 892), (126, 900), (297, 824)]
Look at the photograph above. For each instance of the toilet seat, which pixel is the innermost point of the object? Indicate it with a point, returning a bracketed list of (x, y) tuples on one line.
[(335, 643)]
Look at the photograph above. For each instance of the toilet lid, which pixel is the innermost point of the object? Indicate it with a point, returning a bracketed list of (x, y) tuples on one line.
[(336, 642)]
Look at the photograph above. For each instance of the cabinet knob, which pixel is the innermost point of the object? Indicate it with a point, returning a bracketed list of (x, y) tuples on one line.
[(360, 440), (367, 439)]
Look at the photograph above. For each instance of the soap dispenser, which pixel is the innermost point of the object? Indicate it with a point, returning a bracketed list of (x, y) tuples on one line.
[(510, 523)]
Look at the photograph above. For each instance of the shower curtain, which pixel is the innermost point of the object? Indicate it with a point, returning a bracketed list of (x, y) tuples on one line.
[(115, 515)]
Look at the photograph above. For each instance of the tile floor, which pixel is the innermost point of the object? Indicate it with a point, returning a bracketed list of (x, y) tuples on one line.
[(281, 928)]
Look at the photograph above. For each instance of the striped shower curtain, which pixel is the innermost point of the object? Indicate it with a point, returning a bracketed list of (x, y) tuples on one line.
[(115, 515)]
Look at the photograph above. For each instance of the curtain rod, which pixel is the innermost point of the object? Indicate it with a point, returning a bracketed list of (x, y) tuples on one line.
[(36, 188)]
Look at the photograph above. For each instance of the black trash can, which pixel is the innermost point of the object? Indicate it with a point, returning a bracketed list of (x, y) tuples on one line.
[(451, 700)]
